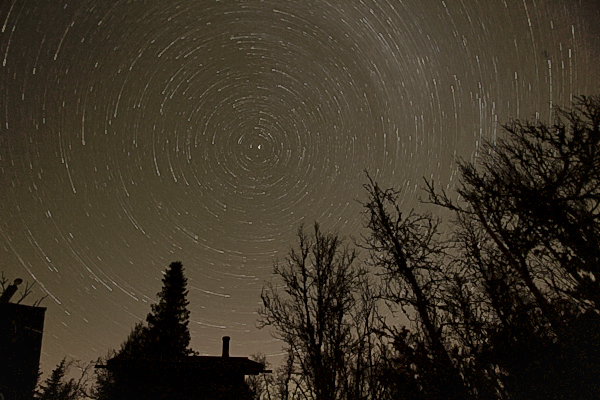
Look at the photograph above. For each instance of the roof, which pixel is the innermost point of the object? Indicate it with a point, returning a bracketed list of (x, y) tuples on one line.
[(197, 364)]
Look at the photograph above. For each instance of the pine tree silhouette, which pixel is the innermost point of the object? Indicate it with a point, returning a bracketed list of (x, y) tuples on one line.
[(57, 387), (168, 334)]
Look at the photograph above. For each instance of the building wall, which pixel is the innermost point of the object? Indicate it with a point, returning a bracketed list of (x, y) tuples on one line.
[(200, 380), (21, 330)]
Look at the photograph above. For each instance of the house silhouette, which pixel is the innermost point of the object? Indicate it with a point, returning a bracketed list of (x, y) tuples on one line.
[(189, 378)]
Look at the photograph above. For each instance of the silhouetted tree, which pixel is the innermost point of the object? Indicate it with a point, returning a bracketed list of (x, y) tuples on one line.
[(529, 235), (311, 309), (260, 385), (536, 194), (168, 334), (59, 387), (165, 338), (284, 383), (104, 386), (107, 386), (409, 257), (55, 387), (480, 296), (507, 306)]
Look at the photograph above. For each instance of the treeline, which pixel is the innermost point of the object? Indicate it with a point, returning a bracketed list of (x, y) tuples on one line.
[(501, 302), (505, 306)]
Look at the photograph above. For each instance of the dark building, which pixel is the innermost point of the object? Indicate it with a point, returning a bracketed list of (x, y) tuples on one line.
[(21, 329), (191, 378)]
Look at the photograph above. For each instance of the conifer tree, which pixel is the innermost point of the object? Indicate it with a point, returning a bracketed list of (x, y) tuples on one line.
[(168, 334), (165, 338), (57, 388), (108, 385)]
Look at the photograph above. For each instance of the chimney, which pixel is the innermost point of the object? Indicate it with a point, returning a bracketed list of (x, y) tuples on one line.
[(225, 346)]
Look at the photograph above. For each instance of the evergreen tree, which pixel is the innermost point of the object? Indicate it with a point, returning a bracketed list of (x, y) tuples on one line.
[(56, 388), (168, 335), (165, 338), (108, 386)]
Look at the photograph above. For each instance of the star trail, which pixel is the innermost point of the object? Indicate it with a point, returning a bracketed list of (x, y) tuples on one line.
[(137, 133)]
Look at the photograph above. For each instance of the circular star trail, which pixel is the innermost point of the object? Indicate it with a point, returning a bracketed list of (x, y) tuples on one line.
[(136, 133)]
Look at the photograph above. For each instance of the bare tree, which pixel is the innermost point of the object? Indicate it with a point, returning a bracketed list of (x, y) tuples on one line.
[(9, 290), (311, 308), (260, 385), (410, 259), (528, 215), (536, 195)]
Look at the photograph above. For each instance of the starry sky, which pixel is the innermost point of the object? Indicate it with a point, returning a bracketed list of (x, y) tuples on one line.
[(137, 133)]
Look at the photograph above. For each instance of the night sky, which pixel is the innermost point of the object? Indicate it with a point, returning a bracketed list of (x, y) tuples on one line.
[(137, 133)]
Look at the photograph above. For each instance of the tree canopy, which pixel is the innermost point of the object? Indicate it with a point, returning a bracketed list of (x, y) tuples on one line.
[(504, 306), (316, 309)]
